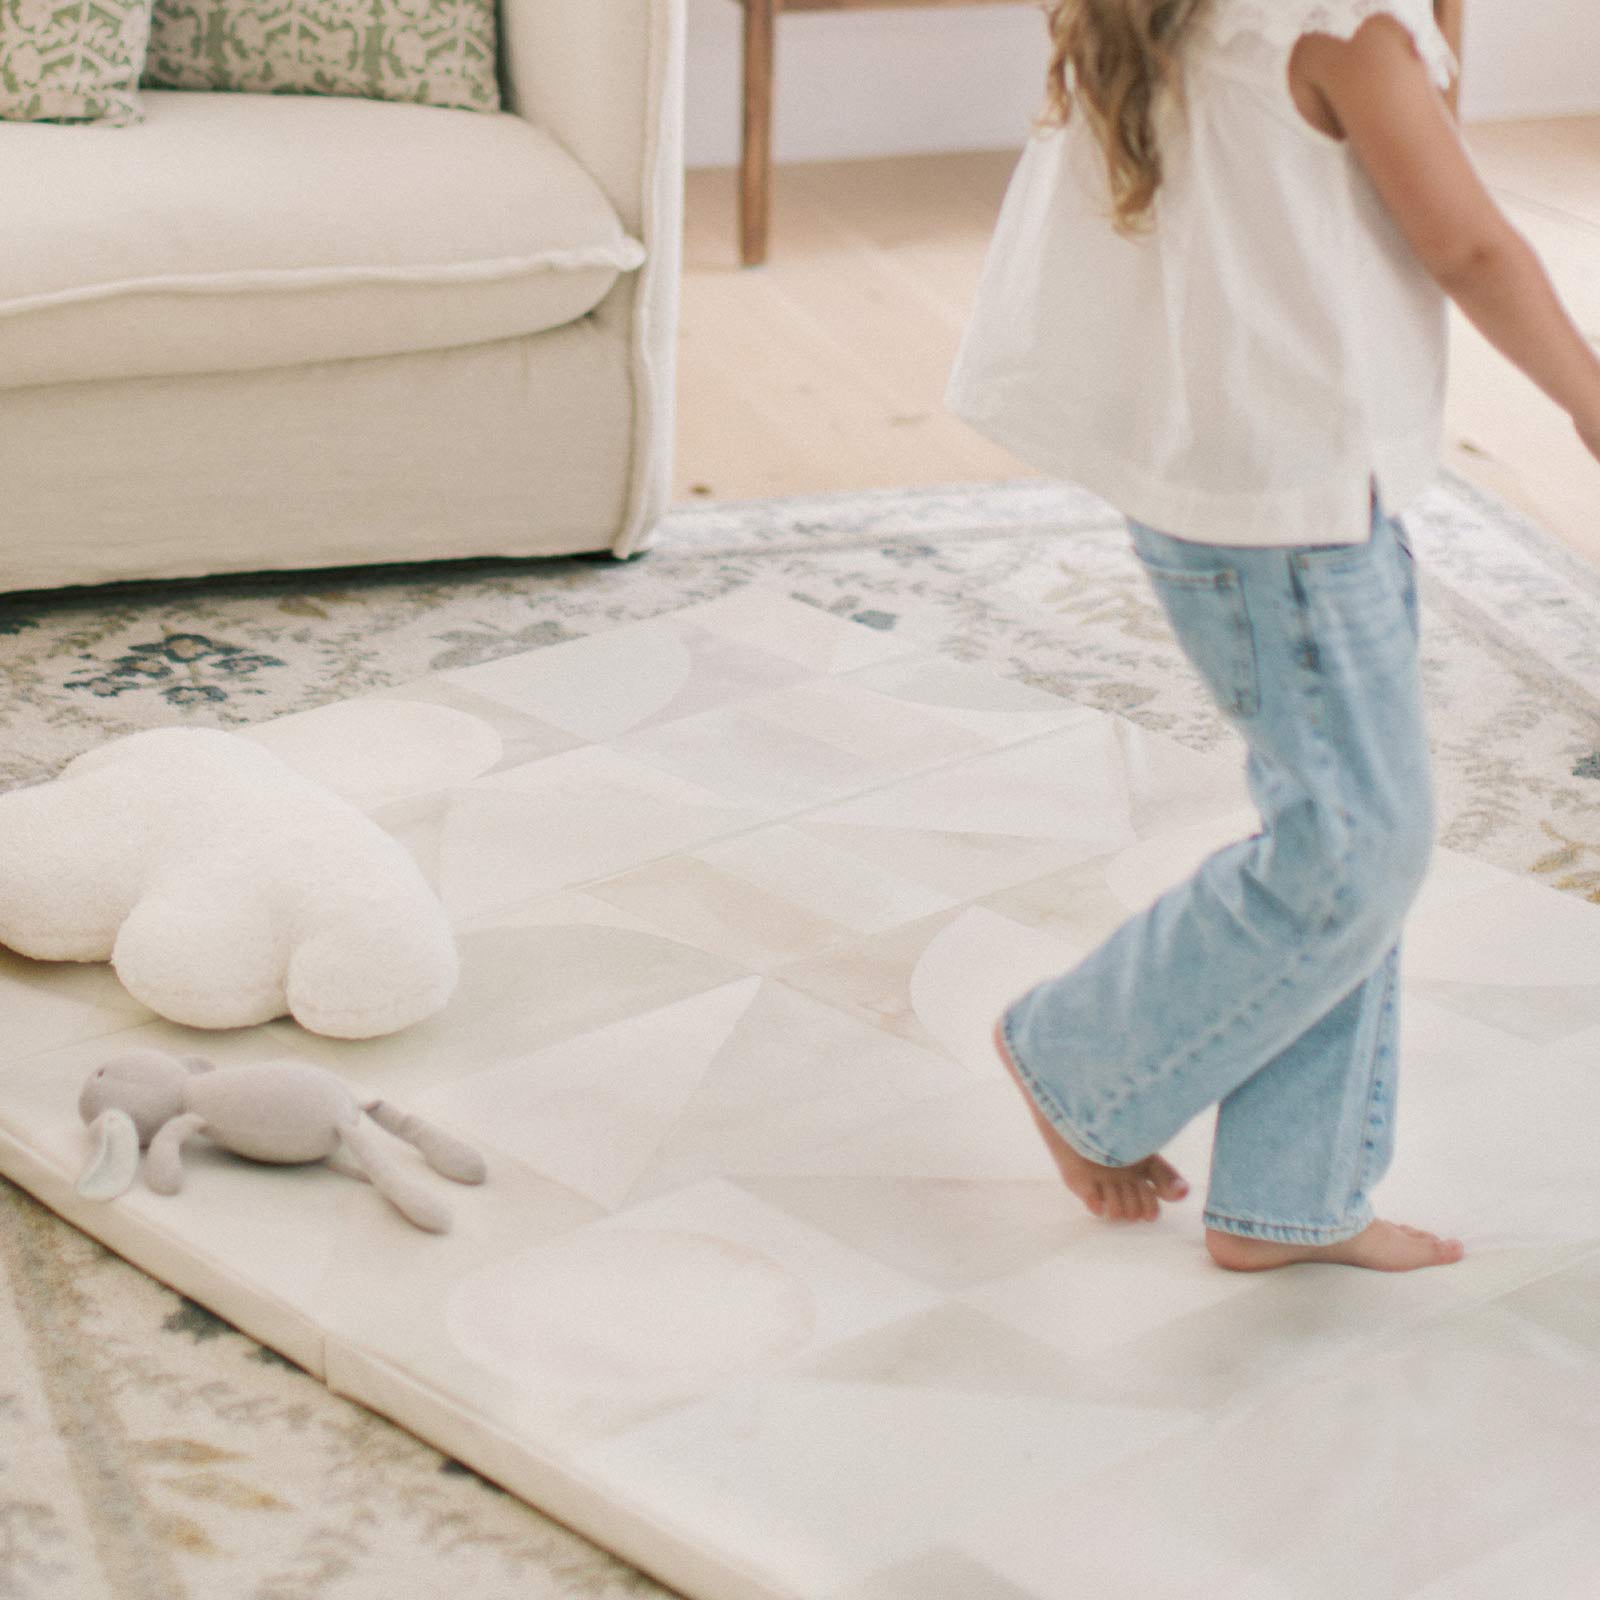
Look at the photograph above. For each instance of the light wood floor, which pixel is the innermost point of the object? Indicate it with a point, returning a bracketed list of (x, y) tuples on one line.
[(825, 369)]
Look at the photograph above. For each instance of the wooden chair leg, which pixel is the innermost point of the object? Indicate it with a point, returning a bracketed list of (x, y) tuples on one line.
[(755, 179)]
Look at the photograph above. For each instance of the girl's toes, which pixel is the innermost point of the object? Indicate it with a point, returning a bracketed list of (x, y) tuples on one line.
[(1168, 1181)]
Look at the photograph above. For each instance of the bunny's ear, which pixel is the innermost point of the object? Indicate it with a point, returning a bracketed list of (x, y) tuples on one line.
[(114, 1163)]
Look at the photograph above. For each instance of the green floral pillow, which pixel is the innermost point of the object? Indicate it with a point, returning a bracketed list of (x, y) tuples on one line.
[(438, 52), (72, 60)]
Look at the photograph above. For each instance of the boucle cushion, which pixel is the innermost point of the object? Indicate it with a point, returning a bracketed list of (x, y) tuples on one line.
[(224, 887), (72, 63), (435, 52), (234, 232)]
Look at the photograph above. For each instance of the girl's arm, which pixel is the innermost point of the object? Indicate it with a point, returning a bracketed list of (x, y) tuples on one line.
[(1381, 96)]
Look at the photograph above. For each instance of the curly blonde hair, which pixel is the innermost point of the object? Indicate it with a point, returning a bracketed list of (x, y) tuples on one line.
[(1111, 60)]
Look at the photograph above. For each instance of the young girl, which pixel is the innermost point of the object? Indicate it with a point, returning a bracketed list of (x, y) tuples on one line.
[(1216, 296)]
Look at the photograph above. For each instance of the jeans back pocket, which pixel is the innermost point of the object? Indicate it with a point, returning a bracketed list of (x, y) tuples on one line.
[(1207, 610)]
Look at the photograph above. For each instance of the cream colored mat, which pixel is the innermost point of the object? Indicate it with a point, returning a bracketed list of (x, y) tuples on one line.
[(773, 1290)]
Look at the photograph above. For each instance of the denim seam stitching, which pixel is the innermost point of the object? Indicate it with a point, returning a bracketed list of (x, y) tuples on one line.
[(1085, 1146), (1364, 1163), (1247, 698)]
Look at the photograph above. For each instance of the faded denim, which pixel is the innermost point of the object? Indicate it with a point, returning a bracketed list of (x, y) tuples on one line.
[(1267, 984)]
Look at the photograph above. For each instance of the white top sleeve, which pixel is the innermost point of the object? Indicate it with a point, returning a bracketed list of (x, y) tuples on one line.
[(1283, 23)]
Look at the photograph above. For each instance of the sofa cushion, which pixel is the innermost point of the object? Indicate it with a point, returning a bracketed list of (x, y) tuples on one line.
[(229, 232), (441, 53), (66, 63)]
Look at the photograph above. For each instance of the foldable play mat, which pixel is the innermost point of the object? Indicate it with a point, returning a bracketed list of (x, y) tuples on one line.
[(772, 1289)]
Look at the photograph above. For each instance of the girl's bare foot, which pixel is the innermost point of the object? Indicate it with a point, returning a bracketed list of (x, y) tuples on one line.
[(1384, 1247), (1122, 1194)]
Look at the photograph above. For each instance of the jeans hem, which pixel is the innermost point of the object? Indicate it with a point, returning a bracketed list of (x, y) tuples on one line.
[(1047, 1104), (1290, 1232)]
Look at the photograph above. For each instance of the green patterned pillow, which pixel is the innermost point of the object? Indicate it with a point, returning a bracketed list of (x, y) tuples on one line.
[(438, 52), (72, 60)]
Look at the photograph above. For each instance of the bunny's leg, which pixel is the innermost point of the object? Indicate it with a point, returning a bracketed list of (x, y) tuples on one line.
[(163, 1167), (443, 1152), (365, 1145), (346, 1165)]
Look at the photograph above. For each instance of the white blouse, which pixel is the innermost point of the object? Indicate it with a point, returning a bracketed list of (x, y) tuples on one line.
[(1246, 373)]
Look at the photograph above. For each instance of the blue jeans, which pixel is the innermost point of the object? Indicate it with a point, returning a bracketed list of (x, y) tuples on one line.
[(1267, 983)]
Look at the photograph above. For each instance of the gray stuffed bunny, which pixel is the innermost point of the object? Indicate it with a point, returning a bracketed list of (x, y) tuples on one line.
[(280, 1111)]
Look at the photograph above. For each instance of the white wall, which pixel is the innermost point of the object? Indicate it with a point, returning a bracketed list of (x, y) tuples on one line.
[(863, 83), (893, 82), (1532, 58)]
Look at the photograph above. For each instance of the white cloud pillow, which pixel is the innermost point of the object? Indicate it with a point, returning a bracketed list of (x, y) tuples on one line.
[(225, 888)]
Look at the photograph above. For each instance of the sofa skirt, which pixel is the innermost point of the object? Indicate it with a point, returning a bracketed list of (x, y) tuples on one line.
[(524, 447)]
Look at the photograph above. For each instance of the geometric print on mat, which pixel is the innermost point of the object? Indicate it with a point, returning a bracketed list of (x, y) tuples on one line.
[(773, 1289)]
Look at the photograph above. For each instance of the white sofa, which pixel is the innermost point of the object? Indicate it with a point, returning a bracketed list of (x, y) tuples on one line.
[(279, 331)]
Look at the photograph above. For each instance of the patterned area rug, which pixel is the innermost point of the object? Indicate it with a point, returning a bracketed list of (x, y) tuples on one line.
[(147, 1450)]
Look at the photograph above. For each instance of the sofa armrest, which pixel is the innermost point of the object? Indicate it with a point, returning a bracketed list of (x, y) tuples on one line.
[(605, 77)]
